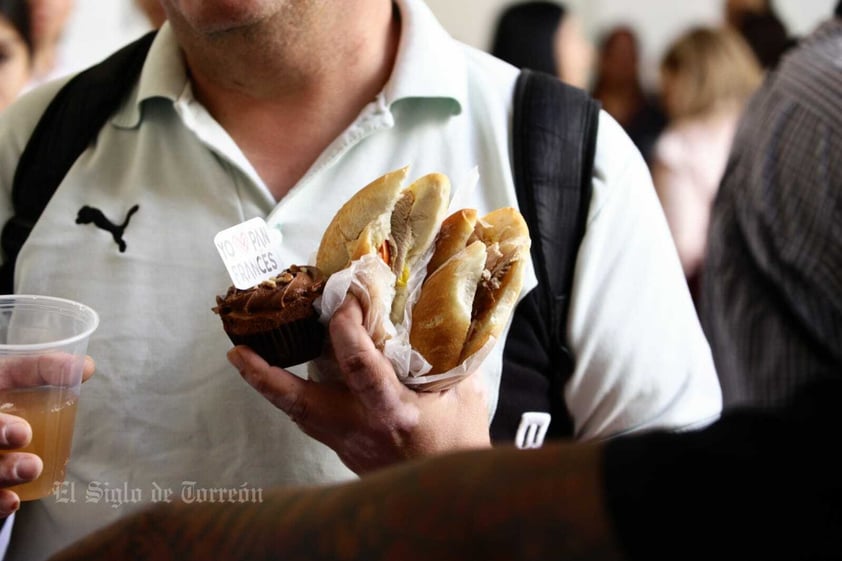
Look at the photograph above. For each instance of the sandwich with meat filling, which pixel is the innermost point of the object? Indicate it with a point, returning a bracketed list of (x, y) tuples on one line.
[(473, 274), (473, 282), (384, 218)]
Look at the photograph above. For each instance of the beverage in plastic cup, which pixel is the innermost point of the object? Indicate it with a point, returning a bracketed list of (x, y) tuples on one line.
[(43, 342)]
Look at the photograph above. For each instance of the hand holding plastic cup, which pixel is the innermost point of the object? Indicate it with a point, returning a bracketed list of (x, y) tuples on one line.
[(43, 343)]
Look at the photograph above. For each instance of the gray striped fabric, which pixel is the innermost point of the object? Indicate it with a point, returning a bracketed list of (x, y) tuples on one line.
[(772, 288)]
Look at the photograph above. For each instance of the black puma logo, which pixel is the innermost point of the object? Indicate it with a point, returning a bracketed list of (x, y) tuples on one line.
[(89, 214)]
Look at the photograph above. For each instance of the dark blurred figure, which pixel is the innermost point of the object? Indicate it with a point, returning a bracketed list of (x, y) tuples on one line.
[(544, 36), (736, 10), (761, 27), (525, 35), (772, 294), (619, 88), (767, 36), (15, 49)]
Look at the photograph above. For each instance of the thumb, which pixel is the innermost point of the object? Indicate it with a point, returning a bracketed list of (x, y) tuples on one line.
[(365, 370)]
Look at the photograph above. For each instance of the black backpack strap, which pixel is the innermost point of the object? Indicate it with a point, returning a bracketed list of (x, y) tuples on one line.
[(554, 141), (68, 126), (554, 144)]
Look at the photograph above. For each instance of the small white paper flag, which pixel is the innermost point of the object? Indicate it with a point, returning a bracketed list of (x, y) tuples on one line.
[(250, 251)]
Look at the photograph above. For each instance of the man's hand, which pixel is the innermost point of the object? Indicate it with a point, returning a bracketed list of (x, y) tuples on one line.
[(39, 370), (15, 432), (370, 418), (15, 467)]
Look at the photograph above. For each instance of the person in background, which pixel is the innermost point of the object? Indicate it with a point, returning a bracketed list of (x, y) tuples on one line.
[(153, 11), (772, 295), (767, 36), (735, 10), (761, 27), (15, 50), (707, 75), (544, 36), (618, 87), (49, 19)]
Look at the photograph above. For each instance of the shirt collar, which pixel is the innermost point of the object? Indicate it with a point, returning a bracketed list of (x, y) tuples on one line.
[(429, 65), (164, 75)]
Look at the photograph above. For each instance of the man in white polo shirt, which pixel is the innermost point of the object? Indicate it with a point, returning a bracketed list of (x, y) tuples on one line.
[(282, 110)]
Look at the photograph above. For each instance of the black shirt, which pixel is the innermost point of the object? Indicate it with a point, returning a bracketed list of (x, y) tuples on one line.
[(754, 485)]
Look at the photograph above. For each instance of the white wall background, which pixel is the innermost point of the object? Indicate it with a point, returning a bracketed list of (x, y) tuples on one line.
[(99, 26)]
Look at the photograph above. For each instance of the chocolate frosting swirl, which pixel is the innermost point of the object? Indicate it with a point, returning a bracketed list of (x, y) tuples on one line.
[(286, 297)]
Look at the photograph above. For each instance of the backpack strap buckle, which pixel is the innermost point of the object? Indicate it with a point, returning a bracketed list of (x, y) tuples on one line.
[(532, 430)]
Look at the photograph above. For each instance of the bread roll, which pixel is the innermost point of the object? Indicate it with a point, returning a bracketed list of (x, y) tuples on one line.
[(452, 237), (384, 218), (361, 221), (439, 334), (441, 318)]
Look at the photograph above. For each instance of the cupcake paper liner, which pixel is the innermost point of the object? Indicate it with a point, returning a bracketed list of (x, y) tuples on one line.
[(287, 345)]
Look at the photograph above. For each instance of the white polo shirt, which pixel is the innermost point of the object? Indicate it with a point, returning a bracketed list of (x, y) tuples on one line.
[(166, 412)]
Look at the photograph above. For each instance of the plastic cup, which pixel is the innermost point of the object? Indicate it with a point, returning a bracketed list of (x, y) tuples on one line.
[(43, 342)]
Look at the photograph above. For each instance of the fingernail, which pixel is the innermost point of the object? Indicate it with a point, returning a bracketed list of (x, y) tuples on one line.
[(9, 504), (235, 359), (16, 434), (28, 468)]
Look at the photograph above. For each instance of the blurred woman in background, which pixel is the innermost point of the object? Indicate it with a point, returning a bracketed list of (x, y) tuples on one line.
[(15, 49), (49, 19), (706, 77), (618, 87)]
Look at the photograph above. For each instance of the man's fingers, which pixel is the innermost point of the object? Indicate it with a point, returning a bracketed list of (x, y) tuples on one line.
[(364, 368), (322, 410), (9, 503), (88, 368), (53, 368), (19, 467), (15, 432), (284, 390), (16, 468)]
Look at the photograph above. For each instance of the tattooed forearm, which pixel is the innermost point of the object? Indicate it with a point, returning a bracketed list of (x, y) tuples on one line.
[(499, 504), (506, 505)]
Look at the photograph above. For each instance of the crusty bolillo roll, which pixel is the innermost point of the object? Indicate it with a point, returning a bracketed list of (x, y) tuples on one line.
[(473, 282), (397, 223)]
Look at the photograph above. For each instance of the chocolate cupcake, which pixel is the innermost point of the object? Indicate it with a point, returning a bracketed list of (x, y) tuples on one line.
[(276, 318)]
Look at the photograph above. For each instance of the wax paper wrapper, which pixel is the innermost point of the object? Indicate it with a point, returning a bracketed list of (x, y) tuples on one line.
[(372, 282)]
